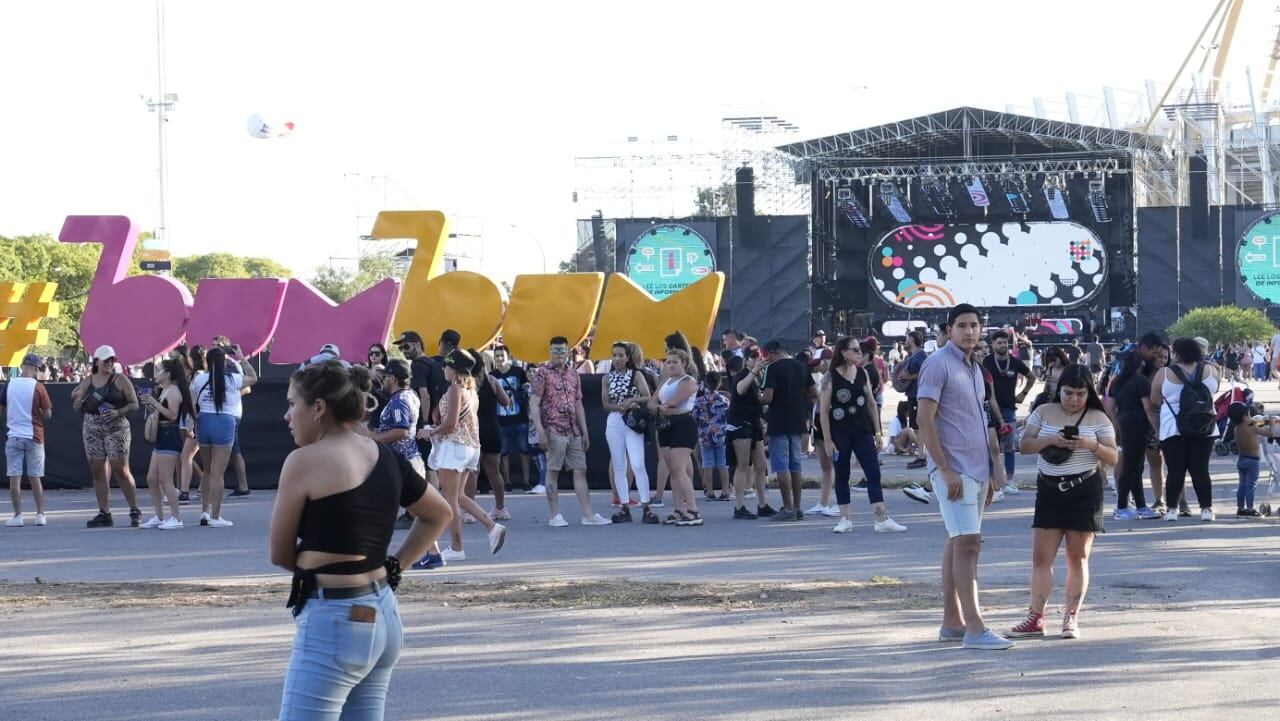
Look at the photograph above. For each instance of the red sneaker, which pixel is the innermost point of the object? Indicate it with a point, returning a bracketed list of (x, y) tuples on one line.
[(1033, 625)]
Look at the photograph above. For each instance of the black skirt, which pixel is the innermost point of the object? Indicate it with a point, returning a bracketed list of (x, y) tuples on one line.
[(1077, 509), (490, 435)]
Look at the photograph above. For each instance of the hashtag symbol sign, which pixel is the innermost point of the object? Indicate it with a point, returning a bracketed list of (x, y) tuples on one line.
[(22, 307)]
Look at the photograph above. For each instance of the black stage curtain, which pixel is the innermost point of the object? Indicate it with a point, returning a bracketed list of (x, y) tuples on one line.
[(1158, 305)]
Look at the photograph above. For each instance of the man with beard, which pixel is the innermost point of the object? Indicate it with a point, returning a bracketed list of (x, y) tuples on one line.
[(1005, 371)]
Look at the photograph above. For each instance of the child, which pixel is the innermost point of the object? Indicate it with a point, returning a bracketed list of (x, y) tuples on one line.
[(1246, 432), (710, 411)]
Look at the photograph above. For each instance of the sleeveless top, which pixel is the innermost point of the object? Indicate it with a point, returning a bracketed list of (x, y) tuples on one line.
[(487, 406), (357, 522), (621, 386), (1173, 401), (97, 396), (850, 407), (467, 431), (668, 390)]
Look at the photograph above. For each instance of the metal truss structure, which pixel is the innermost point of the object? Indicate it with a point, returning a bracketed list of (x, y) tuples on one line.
[(968, 141)]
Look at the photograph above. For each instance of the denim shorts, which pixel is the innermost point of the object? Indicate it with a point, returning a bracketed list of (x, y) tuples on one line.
[(784, 454), (515, 438), (169, 439), (20, 450), (216, 430), (339, 666), (714, 456)]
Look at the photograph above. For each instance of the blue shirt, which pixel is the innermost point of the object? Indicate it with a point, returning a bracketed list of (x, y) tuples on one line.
[(402, 412), (956, 384)]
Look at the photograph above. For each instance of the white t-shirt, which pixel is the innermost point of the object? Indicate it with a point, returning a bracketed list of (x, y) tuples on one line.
[(1259, 353), (202, 390)]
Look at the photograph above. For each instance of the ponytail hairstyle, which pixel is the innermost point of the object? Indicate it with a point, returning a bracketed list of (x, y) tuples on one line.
[(344, 389), (217, 383), (177, 371)]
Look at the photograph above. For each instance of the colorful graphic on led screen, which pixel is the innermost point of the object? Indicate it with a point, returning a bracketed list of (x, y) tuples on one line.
[(989, 265), (666, 258), (1258, 258)]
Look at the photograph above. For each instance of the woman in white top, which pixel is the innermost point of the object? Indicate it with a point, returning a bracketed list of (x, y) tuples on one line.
[(217, 395), (1074, 436), (678, 433), (1184, 453)]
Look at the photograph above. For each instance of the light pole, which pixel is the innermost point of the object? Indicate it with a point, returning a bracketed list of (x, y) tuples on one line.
[(161, 106), (541, 250)]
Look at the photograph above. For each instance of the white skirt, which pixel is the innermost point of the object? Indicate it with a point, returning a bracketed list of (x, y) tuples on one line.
[(454, 456)]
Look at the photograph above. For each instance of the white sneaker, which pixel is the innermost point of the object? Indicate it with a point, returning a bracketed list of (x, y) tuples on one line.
[(220, 522), (844, 526), (170, 524), (1207, 514), (596, 520), (448, 554), (1171, 515), (538, 490), (1011, 490), (832, 511), (205, 518), (467, 518), (557, 521), (497, 537), (751, 493), (15, 522), (40, 520), (997, 496), (153, 523), (888, 525), (817, 508)]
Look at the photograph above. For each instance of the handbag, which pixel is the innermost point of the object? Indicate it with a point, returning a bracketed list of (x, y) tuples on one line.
[(1057, 455), (637, 418), (151, 429)]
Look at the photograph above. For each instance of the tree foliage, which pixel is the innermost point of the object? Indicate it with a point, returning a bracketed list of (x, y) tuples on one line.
[(40, 258), (192, 268), (340, 284), (717, 202), (1223, 324)]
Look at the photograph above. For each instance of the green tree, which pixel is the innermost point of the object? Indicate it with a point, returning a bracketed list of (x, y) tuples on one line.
[(569, 266), (337, 283), (717, 202), (340, 284), (1223, 324), (38, 258), (192, 268)]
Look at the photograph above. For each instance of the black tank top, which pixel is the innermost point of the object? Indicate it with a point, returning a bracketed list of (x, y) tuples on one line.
[(357, 522), (110, 394), (850, 406)]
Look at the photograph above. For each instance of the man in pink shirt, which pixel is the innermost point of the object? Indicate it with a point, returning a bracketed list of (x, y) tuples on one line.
[(26, 408)]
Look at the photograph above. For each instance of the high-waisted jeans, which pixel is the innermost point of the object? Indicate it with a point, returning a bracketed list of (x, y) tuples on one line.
[(1248, 468), (853, 442), (340, 669), (1183, 455), (1133, 439)]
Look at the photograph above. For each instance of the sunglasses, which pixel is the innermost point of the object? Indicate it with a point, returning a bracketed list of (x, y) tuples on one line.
[(559, 351)]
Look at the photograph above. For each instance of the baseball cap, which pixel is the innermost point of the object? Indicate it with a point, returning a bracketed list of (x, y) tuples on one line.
[(409, 336), (104, 352), (451, 337), (31, 359), (331, 349), (773, 346), (819, 333)]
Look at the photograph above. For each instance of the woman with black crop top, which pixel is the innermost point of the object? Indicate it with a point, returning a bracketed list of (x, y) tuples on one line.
[(850, 423), (106, 399), (335, 511)]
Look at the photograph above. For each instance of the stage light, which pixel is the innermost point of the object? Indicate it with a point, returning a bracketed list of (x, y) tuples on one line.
[(977, 193), (852, 209), (891, 197), (1057, 200), (1015, 195), (1098, 201), (935, 193)]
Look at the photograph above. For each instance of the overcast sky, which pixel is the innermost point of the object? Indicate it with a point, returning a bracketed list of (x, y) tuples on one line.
[(479, 108)]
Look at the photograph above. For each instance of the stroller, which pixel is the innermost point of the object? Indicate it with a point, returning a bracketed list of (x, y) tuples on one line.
[(1235, 394), (1270, 451)]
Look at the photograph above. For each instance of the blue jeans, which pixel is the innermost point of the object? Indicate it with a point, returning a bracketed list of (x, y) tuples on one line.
[(340, 669), (1010, 416), (1248, 469), (784, 454), (1259, 371), (515, 438)]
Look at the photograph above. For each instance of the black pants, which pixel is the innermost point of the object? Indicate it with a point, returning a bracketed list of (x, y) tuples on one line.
[(1133, 439), (1183, 455)]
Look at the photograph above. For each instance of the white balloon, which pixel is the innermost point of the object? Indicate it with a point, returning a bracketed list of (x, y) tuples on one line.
[(260, 127)]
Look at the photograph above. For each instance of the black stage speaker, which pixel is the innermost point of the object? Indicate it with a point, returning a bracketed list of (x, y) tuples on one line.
[(598, 241), (745, 191)]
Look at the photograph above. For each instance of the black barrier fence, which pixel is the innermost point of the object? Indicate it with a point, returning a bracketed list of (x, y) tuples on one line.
[(265, 440)]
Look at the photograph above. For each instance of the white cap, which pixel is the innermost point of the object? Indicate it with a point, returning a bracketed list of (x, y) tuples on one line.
[(331, 349), (104, 352), (1203, 342)]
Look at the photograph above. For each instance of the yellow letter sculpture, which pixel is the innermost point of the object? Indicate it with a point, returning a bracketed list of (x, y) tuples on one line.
[(544, 306), (630, 314), (22, 307)]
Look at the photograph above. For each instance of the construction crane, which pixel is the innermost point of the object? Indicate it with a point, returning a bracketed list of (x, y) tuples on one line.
[(1223, 20)]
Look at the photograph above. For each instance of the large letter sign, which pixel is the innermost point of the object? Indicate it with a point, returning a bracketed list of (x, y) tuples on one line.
[(148, 315)]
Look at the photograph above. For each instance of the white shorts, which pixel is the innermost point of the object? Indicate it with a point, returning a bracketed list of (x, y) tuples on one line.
[(962, 517), (454, 456)]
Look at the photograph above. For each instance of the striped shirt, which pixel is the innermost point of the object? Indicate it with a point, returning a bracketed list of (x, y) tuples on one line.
[(1082, 460)]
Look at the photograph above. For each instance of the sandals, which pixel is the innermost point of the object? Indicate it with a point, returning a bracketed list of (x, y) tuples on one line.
[(672, 519), (692, 518), (650, 517)]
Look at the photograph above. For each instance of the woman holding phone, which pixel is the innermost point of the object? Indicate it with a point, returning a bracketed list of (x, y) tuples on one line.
[(1073, 436)]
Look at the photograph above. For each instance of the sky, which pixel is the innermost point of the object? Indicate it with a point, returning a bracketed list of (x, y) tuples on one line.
[(479, 109)]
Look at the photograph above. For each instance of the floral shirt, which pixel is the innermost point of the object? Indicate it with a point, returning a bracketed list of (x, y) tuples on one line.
[(710, 411), (402, 412), (558, 392)]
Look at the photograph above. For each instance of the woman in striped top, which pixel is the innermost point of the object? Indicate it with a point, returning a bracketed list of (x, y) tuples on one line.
[(1075, 427)]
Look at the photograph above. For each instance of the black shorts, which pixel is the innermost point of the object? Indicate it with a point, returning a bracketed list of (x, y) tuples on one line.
[(681, 432), (753, 432), (907, 410)]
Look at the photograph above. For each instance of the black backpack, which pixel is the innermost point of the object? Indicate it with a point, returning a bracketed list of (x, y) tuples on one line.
[(1196, 415)]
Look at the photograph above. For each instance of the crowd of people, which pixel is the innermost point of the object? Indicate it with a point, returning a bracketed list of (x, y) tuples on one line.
[(416, 432)]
